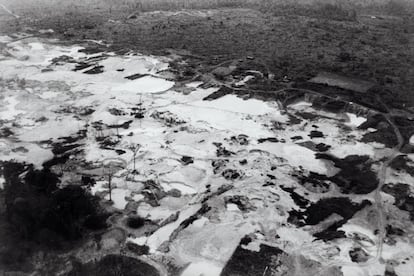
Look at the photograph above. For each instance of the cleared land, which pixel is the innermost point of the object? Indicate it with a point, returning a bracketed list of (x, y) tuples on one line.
[(225, 153), (221, 181)]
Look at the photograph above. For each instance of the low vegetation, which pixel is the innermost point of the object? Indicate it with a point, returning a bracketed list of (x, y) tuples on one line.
[(327, 7), (114, 265), (293, 39)]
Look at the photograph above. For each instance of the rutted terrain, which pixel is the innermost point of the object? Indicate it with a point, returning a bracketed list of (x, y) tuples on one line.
[(208, 175)]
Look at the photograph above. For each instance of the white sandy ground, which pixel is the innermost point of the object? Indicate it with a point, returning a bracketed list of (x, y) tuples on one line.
[(244, 80), (10, 111), (202, 269), (163, 234), (35, 154), (296, 156), (235, 104), (221, 120), (207, 244), (2, 182), (355, 120), (194, 84), (147, 84)]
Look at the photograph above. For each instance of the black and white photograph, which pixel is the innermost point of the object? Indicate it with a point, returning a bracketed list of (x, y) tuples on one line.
[(207, 137)]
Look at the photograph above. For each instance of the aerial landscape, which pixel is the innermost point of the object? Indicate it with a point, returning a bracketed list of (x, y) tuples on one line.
[(207, 137)]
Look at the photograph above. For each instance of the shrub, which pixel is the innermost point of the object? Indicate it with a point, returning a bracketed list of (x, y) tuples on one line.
[(135, 222), (344, 57)]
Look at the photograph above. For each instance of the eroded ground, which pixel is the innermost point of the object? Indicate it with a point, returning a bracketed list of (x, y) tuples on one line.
[(229, 184)]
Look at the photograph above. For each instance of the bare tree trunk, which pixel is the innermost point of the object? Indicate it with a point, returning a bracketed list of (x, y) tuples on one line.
[(110, 187), (135, 154)]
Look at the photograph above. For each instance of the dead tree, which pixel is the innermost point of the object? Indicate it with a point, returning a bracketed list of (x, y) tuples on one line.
[(98, 126), (134, 148), (111, 166)]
